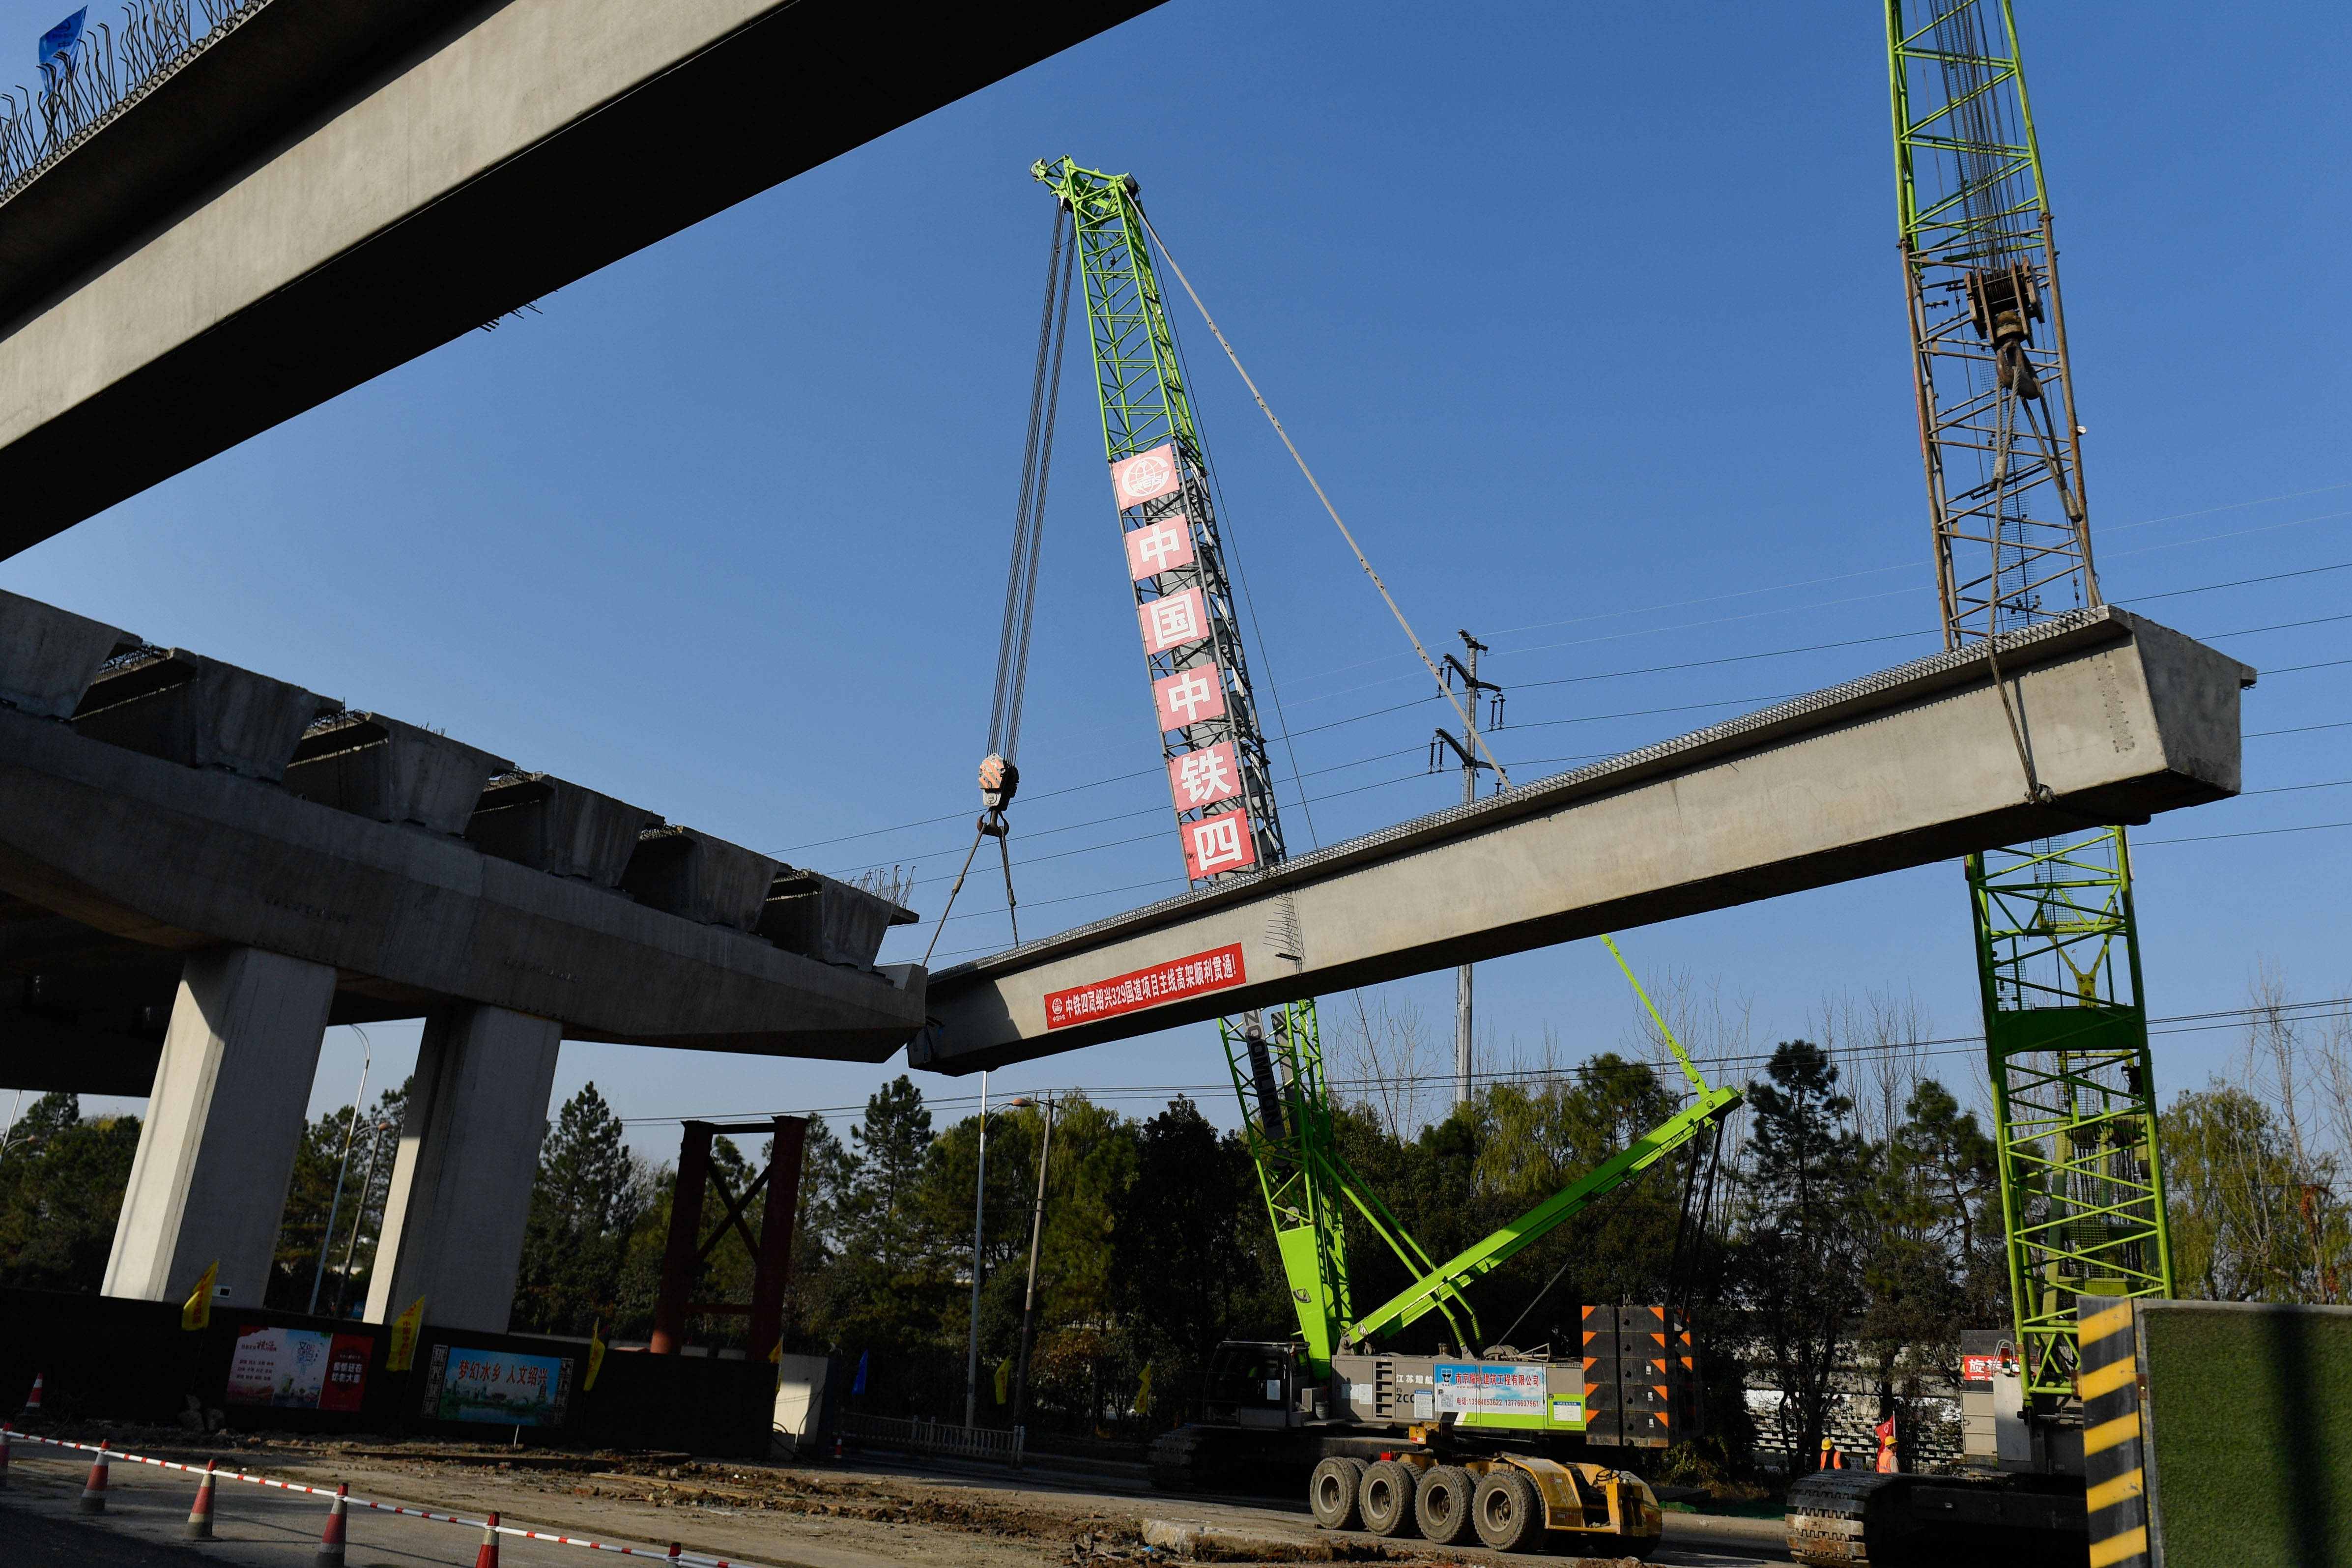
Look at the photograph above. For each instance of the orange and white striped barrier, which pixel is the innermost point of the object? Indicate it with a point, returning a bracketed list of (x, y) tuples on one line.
[(491, 1528)]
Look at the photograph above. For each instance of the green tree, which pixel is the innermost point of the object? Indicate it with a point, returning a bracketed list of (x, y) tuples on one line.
[(585, 1205), (1925, 1264), (61, 1185), (1798, 1265), (893, 1141)]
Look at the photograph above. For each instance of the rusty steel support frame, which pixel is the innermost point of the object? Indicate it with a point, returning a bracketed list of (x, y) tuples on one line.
[(688, 1248)]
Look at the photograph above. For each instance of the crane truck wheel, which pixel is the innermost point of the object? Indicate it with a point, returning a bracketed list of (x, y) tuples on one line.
[(1386, 1498), (1507, 1514), (1332, 1491), (1441, 1504)]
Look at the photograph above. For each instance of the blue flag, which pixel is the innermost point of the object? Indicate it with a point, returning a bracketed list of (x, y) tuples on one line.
[(61, 38), (859, 1386)]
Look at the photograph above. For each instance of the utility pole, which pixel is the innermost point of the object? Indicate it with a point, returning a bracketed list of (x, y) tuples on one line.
[(1465, 750), (1036, 1233)]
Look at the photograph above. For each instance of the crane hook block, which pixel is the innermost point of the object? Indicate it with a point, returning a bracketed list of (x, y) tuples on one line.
[(999, 781)]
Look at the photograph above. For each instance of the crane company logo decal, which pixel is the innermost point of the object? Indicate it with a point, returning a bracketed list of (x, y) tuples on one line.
[(1145, 476), (1218, 970)]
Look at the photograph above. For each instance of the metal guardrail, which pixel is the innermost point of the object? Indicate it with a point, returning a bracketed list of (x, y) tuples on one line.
[(113, 66), (920, 1434)]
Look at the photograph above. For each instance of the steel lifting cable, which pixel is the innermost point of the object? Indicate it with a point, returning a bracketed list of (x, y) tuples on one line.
[(999, 778)]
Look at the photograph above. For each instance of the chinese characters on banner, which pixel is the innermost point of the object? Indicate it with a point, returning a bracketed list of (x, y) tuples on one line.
[(1173, 621), (1218, 843), (1205, 777), (300, 1369), (1214, 971), (1188, 697), (1212, 774), (1486, 1389), (1160, 547)]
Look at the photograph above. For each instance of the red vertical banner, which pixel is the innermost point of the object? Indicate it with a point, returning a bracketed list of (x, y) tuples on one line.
[(1220, 842), (1189, 697), (1146, 477), (347, 1366), (1204, 777), (1158, 547)]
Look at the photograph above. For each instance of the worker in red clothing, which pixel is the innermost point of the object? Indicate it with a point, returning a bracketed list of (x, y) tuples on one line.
[(1886, 1446)]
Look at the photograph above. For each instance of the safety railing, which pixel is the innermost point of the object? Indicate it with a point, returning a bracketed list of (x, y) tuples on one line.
[(109, 66), (919, 1434)]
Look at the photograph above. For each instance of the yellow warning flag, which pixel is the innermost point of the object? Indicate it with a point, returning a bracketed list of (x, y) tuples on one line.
[(196, 1311), (405, 1329), (1004, 1380), (595, 1354), (1143, 1392)]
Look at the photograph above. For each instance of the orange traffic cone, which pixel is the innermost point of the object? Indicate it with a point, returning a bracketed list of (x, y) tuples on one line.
[(4, 1457), (487, 1555), (200, 1516), (93, 1492), (331, 1545), (32, 1411)]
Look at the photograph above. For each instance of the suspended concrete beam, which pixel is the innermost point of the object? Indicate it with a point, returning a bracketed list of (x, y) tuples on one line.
[(2120, 717), (327, 190)]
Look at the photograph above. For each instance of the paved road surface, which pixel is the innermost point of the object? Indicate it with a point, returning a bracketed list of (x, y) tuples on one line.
[(260, 1527)]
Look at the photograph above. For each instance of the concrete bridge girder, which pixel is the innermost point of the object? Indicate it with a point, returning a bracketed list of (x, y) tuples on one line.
[(202, 867), (328, 189), (2120, 717)]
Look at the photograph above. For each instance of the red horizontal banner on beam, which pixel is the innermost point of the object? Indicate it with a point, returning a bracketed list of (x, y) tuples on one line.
[(1217, 971)]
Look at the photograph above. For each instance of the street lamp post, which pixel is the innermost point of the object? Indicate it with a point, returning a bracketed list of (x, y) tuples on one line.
[(342, 1166), (1029, 1303), (367, 1186)]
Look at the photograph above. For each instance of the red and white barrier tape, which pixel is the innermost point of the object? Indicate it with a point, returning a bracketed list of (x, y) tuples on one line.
[(686, 1559)]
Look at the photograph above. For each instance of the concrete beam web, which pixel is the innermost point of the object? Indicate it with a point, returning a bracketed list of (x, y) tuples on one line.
[(2120, 719), (329, 189)]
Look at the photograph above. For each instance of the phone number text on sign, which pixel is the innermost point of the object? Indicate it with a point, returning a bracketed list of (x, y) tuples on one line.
[(1202, 972)]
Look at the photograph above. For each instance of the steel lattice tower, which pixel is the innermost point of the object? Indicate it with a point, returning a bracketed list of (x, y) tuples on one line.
[(1140, 383), (2057, 945), (1274, 1058)]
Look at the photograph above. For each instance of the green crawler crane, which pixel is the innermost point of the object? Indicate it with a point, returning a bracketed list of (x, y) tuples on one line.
[(1485, 1441)]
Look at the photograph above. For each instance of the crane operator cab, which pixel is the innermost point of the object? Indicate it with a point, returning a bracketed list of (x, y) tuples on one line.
[(1254, 1383)]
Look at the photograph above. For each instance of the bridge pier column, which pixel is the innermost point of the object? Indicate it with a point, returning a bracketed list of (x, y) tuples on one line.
[(224, 1119), (453, 1223)]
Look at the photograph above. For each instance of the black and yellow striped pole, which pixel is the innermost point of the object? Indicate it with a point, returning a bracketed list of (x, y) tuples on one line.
[(2114, 1458)]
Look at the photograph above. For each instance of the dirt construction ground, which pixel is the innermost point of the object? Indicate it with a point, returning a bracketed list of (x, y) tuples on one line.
[(869, 1512)]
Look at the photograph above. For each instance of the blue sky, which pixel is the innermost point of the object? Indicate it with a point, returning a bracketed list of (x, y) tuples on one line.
[(1590, 318)]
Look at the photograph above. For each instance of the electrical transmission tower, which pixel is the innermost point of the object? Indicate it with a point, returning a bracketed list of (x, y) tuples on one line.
[(1465, 751), (2057, 946)]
